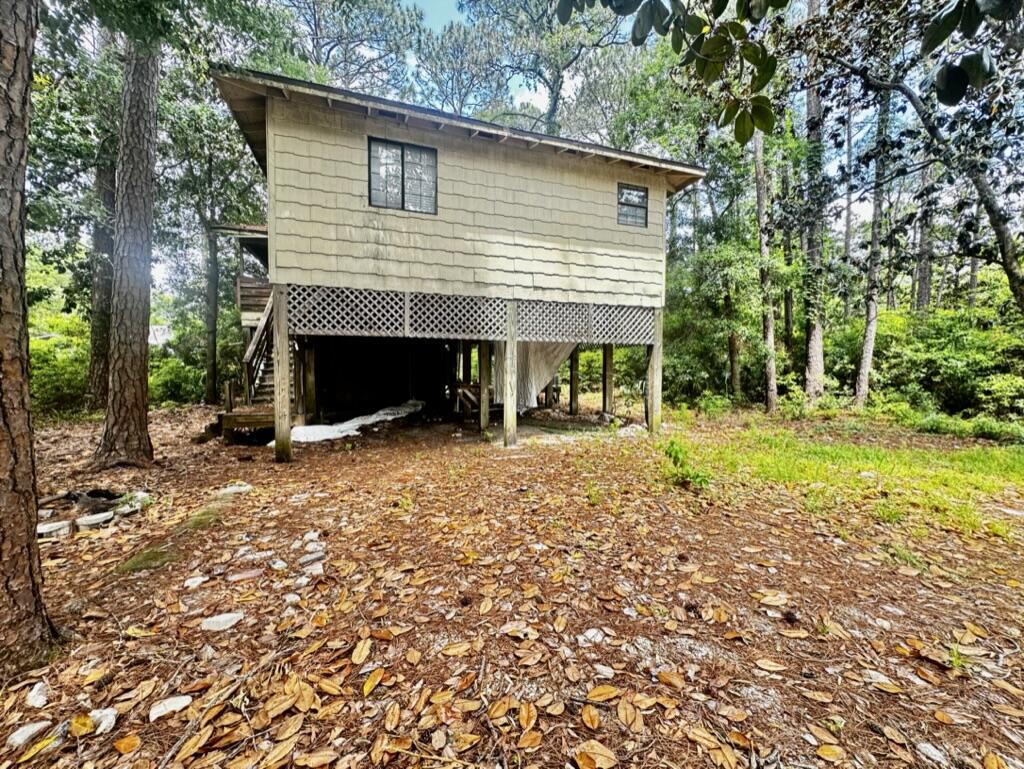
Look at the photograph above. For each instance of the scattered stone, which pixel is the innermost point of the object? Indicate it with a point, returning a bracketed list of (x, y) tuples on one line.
[(931, 753), (300, 581), (242, 576), (103, 719), (311, 536), (132, 503), (193, 582), (94, 521), (54, 529), (21, 736), (315, 569), (278, 565), (38, 695), (239, 487), (316, 546), (45, 513), (312, 558), (590, 637), (221, 622), (259, 555), (168, 706), (290, 598)]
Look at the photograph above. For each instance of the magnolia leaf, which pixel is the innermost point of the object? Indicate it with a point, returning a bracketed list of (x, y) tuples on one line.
[(980, 68), (951, 84), (598, 755), (764, 74), (127, 744), (970, 21), (763, 117), (1004, 10), (744, 127), (831, 753), (564, 11), (372, 680), (941, 26)]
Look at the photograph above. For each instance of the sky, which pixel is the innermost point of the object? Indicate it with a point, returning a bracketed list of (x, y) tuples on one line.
[(437, 13)]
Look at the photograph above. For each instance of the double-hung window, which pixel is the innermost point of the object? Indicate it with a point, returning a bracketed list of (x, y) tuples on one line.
[(632, 205), (403, 176)]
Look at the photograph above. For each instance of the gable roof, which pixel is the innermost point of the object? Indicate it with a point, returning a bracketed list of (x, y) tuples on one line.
[(246, 92)]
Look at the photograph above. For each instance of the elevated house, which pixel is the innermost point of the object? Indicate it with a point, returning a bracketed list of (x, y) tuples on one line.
[(402, 242)]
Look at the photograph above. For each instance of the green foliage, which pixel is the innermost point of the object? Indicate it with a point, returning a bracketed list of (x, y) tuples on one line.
[(679, 471), (59, 370), (712, 405), (173, 381)]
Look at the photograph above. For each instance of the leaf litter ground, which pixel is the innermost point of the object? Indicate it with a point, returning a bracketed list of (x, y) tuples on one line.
[(420, 597)]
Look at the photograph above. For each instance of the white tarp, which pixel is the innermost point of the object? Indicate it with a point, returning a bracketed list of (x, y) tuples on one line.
[(537, 365), (314, 433)]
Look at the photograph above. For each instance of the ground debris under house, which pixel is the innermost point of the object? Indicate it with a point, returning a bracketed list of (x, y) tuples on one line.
[(445, 628)]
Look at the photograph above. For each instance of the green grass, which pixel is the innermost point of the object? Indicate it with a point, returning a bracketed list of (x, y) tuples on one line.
[(204, 518), (940, 486), (148, 559)]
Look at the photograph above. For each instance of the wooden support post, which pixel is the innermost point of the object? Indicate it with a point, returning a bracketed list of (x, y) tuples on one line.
[(467, 363), (485, 384), (298, 401), (229, 396), (574, 382), (608, 378), (549, 394), (309, 383), (654, 376), (282, 376), (511, 373)]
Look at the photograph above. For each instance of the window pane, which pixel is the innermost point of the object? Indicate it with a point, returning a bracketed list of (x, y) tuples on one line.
[(421, 180), (385, 174), (635, 196), (632, 215)]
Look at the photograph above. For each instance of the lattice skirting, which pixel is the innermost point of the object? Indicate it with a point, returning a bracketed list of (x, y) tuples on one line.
[(329, 311)]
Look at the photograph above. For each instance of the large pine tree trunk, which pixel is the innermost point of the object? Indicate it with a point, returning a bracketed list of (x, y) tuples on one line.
[(25, 630), (212, 296), (125, 438), (102, 269), (924, 264), (860, 396), (735, 377), (771, 393), (814, 277), (787, 256)]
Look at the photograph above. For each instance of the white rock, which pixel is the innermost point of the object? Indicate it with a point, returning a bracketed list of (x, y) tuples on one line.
[(38, 695), (103, 719), (290, 598), (311, 558), (278, 565), (21, 736), (193, 582), (94, 521), (222, 621), (132, 503), (239, 487), (604, 671), (53, 529), (168, 706), (315, 546), (315, 569), (300, 582), (932, 753), (311, 536), (242, 576), (591, 636)]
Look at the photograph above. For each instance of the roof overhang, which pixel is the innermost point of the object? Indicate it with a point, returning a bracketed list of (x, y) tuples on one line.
[(246, 92), (251, 237)]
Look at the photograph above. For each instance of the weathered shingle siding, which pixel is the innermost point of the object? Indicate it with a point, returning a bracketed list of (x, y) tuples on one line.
[(511, 222)]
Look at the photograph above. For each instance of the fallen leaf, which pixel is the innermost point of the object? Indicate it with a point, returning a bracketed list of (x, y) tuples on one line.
[(127, 744), (596, 755), (603, 693), (831, 753), (372, 680), (769, 665), (591, 716)]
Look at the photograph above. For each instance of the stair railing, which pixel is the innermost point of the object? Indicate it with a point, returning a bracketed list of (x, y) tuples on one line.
[(254, 362)]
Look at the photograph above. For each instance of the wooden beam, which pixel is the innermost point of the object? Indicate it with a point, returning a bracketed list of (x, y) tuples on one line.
[(574, 382), (484, 354), (298, 402), (608, 379), (282, 401), (309, 383), (511, 373), (654, 376), (467, 362)]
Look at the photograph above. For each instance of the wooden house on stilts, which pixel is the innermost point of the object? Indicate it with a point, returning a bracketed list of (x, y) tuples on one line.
[(402, 242)]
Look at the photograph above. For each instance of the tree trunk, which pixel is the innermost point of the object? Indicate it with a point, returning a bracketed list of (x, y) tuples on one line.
[(125, 438), (735, 381), (924, 262), (814, 277), (551, 126), (848, 225), (212, 296), (787, 294), (102, 281), (860, 397), (25, 631), (771, 393), (972, 285)]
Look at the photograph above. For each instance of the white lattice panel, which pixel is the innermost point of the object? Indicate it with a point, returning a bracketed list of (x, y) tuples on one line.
[(328, 311), (554, 322), (621, 324), (345, 311), (438, 316)]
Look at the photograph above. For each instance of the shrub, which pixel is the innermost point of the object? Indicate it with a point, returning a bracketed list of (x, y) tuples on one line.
[(712, 405), (678, 469), (793, 404), (172, 381), (59, 370)]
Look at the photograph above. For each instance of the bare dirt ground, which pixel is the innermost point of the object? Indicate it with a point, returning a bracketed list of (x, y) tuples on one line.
[(421, 597)]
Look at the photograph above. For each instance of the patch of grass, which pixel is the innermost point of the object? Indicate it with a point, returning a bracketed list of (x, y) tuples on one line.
[(906, 556), (711, 405), (957, 661), (889, 511), (938, 486), (201, 519), (678, 469), (148, 559), (1001, 529), (593, 494)]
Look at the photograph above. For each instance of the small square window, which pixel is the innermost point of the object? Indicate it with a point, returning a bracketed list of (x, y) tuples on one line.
[(632, 205), (403, 176)]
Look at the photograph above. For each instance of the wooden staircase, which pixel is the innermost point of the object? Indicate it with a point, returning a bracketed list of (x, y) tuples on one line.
[(258, 363)]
